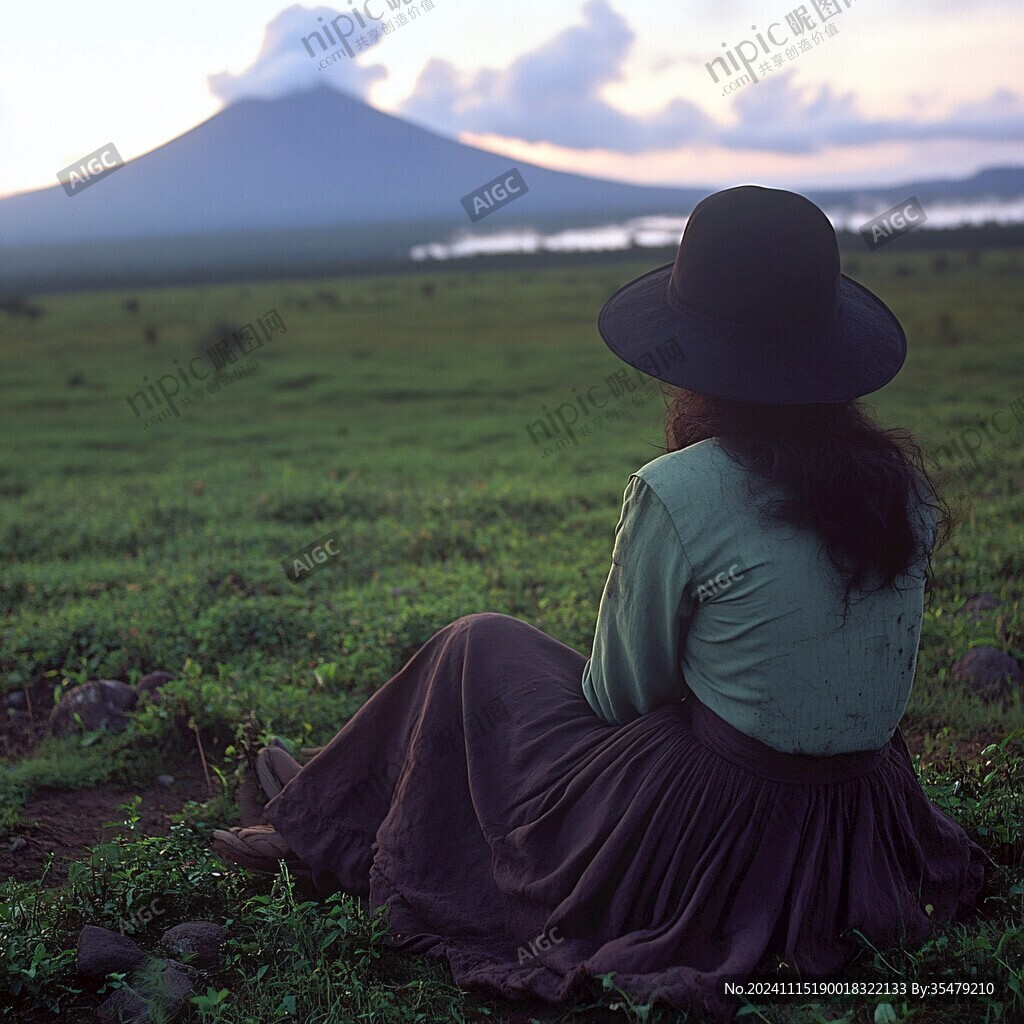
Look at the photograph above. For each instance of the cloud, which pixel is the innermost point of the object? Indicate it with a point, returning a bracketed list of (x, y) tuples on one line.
[(777, 116), (553, 94), (774, 115), (284, 65), (1000, 117)]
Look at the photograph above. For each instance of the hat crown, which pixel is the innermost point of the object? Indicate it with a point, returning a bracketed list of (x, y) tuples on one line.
[(755, 308), (757, 256)]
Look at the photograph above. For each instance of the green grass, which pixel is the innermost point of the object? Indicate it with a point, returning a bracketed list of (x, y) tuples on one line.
[(395, 412)]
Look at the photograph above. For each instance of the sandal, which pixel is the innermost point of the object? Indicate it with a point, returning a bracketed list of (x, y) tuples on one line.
[(265, 776), (258, 848), (275, 768)]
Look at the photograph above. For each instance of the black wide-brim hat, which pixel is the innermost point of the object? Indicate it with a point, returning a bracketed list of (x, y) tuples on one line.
[(755, 308)]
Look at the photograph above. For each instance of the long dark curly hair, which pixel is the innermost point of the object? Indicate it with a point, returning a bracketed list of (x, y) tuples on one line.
[(859, 486)]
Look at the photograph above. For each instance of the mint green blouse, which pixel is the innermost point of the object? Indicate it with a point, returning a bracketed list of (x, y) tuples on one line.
[(750, 612)]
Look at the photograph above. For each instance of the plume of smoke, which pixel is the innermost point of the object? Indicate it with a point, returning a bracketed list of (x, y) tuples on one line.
[(284, 65)]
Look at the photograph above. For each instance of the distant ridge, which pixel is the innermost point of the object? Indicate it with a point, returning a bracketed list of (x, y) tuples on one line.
[(321, 179)]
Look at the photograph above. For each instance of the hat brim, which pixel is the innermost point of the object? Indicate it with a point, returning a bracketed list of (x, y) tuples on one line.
[(860, 353)]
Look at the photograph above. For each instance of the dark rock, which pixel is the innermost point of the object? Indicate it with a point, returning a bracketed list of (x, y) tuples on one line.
[(101, 951), (154, 680), (174, 990), (16, 699), (199, 942), (980, 603), (157, 993), (18, 843), (100, 703), (124, 1007), (988, 671)]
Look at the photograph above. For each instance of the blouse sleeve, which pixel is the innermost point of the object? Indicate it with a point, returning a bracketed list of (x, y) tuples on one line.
[(644, 614)]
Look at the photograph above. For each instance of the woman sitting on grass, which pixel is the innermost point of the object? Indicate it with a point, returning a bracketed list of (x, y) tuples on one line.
[(723, 785)]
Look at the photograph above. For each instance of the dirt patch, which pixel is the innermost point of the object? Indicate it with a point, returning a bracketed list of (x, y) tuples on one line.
[(68, 823), (962, 750)]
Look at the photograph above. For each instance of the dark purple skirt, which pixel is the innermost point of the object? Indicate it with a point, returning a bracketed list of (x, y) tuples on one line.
[(512, 832)]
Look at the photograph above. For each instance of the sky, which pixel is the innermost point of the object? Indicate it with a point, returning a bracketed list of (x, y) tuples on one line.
[(873, 93)]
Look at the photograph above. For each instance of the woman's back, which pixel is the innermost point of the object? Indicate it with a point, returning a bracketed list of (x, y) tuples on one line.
[(769, 644)]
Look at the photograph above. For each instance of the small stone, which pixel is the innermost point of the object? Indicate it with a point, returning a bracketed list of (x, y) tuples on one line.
[(165, 780), (198, 942), (988, 671), (99, 703), (156, 993), (154, 680), (124, 1007), (189, 970), (984, 602), (18, 843), (101, 951), (16, 699), (176, 988)]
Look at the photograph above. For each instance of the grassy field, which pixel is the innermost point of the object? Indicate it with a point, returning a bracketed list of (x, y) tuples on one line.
[(401, 415)]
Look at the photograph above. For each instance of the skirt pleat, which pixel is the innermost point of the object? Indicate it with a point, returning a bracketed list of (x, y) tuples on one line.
[(510, 831)]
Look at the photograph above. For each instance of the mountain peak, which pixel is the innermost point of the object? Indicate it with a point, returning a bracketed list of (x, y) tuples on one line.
[(319, 174)]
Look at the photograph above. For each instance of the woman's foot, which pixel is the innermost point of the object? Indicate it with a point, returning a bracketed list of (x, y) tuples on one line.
[(257, 848), (265, 776), (275, 768)]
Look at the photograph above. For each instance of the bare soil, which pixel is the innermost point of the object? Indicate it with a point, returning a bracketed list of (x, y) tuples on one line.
[(67, 823)]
